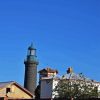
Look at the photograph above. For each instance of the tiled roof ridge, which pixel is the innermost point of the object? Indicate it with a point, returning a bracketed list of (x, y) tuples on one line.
[(49, 69), (7, 82)]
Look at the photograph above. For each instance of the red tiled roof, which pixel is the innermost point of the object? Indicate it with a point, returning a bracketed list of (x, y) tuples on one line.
[(49, 70)]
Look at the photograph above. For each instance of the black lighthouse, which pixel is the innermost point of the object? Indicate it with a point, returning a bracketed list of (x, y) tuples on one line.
[(31, 63)]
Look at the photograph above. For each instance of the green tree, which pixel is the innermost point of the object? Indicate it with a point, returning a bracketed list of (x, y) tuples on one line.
[(68, 88)]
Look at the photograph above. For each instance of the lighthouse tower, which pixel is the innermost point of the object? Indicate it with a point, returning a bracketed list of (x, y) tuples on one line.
[(31, 63)]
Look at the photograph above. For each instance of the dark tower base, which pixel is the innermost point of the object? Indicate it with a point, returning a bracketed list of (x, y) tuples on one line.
[(30, 70)]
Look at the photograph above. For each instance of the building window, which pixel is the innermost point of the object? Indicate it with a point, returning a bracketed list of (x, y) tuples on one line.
[(8, 90)]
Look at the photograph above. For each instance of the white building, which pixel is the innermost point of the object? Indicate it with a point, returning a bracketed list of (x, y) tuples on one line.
[(48, 81), (47, 87)]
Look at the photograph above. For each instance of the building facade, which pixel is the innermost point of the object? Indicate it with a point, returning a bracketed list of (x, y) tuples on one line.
[(13, 90)]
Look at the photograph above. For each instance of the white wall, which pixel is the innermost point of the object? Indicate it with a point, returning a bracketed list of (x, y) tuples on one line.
[(46, 89)]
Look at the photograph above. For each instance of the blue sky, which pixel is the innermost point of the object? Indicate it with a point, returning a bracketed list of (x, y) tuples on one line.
[(64, 32)]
